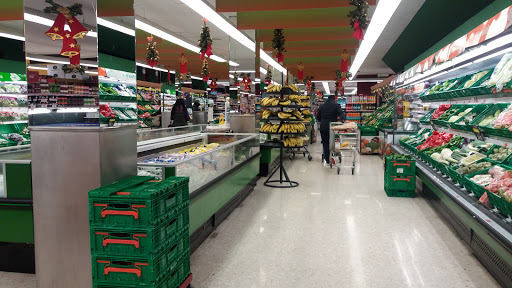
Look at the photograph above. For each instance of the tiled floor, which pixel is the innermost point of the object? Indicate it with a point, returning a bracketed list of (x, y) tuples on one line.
[(331, 231)]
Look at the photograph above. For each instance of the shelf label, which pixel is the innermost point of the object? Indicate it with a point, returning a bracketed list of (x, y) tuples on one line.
[(479, 133), (111, 122)]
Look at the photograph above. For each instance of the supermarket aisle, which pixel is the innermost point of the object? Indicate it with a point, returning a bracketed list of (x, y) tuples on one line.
[(335, 231), (331, 231)]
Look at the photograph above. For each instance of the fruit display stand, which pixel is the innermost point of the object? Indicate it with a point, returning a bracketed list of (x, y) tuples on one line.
[(118, 98), (288, 125)]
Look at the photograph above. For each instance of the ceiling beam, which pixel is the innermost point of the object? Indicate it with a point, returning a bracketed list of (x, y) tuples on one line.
[(266, 5), (316, 45), (317, 33), (323, 17)]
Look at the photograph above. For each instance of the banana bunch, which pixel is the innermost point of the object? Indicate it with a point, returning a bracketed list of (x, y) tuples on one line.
[(344, 144), (284, 115), (265, 114), (297, 114), (304, 97), (295, 98), (274, 88), (270, 101), (269, 128), (292, 128), (293, 141), (306, 112), (293, 87), (287, 102), (305, 104)]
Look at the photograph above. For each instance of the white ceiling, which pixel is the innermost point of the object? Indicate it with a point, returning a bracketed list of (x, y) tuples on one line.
[(373, 64)]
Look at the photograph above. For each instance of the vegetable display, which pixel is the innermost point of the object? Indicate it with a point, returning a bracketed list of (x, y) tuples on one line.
[(504, 119), (502, 73), (440, 111), (490, 118), (500, 154), (436, 139), (106, 111), (475, 167)]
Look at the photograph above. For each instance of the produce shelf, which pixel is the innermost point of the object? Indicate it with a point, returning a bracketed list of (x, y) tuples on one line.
[(485, 230), (283, 120), (277, 133), (286, 106)]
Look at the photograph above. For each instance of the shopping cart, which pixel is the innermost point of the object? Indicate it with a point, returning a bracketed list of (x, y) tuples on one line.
[(342, 145)]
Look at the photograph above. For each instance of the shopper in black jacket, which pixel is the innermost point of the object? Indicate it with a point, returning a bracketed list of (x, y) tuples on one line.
[(327, 113)]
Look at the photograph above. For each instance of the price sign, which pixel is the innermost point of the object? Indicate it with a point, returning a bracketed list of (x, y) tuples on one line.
[(479, 133), (111, 122), (433, 125)]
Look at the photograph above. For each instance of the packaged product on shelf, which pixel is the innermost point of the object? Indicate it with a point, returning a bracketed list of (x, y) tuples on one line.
[(502, 73)]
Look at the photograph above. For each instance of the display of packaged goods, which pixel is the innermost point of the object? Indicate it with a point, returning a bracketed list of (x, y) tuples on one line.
[(13, 88)]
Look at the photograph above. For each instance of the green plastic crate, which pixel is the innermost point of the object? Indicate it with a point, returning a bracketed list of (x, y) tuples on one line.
[(400, 193), (400, 182), (400, 167), (121, 270), (505, 161), (444, 123), (456, 176), (488, 129), (501, 203), (476, 89), (459, 125), (474, 187), (426, 118), (138, 241), (368, 131), (134, 202)]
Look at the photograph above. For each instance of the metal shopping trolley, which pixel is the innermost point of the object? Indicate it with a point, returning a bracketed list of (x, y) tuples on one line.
[(342, 144)]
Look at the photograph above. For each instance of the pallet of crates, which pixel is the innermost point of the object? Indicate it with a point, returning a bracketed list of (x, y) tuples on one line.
[(139, 229), (400, 176)]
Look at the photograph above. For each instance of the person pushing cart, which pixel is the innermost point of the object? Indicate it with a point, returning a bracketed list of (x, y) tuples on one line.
[(327, 113)]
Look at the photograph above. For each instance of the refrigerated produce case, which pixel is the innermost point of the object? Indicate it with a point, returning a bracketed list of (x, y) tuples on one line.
[(465, 103)]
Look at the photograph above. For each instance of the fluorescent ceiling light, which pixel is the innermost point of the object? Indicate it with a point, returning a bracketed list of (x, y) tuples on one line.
[(316, 81), (12, 36), (197, 78), (115, 26), (326, 87), (223, 24), (164, 35), (154, 68), (384, 11), (257, 80), (231, 63), (460, 67), (209, 13), (187, 82), (493, 55), (364, 80), (37, 68), (77, 110), (217, 58), (47, 22), (263, 71), (233, 88), (39, 111), (243, 71), (51, 61)]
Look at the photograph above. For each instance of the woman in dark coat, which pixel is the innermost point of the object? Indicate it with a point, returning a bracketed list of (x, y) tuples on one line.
[(179, 114)]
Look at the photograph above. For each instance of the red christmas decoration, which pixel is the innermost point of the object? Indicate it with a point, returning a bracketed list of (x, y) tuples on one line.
[(344, 61), (247, 82), (213, 85), (57, 29), (77, 29), (358, 33), (183, 64), (308, 85), (300, 72)]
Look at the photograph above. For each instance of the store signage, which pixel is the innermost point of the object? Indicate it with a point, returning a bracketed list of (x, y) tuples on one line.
[(12, 77), (485, 31), (120, 75)]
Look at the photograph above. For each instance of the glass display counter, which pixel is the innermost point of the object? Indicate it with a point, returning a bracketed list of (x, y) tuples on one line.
[(217, 155), (148, 140)]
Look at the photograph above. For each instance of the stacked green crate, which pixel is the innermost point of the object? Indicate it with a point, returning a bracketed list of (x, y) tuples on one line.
[(400, 176), (139, 231)]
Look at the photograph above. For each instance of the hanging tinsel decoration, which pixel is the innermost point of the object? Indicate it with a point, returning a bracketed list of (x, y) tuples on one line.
[(205, 41), (309, 83), (152, 54), (184, 77), (359, 18), (278, 44), (205, 72), (268, 77)]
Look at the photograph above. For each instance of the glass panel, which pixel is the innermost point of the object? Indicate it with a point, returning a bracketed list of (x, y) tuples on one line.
[(144, 135), (3, 190)]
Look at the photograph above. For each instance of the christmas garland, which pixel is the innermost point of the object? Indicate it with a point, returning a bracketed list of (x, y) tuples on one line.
[(268, 77), (359, 17), (235, 80), (184, 77), (278, 44), (205, 41), (152, 55), (205, 72), (75, 9)]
